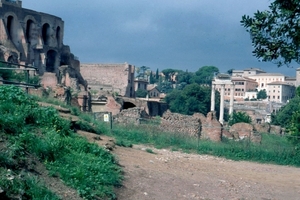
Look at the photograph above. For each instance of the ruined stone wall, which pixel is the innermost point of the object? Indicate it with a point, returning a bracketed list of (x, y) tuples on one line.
[(178, 123), (120, 77), (36, 37), (131, 116)]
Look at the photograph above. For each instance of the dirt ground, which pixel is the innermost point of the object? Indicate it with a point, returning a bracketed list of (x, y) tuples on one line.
[(167, 175)]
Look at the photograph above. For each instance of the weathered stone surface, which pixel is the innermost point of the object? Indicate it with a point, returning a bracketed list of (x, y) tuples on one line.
[(244, 130), (183, 124), (131, 116), (275, 130), (211, 128), (255, 137), (115, 78), (227, 134), (262, 128)]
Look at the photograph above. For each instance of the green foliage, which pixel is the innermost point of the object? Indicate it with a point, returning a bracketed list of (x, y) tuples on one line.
[(165, 86), (141, 93), (169, 73), (298, 91), (273, 148), (283, 116), (193, 98), (238, 117), (23, 186), (294, 127), (275, 33), (41, 132), (205, 74), (262, 94)]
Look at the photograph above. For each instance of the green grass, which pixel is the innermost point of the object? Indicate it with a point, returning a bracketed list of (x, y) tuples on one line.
[(27, 129), (273, 149), (23, 186)]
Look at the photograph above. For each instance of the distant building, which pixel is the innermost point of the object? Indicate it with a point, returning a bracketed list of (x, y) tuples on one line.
[(241, 86), (280, 92), (153, 92), (265, 78), (140, 84)]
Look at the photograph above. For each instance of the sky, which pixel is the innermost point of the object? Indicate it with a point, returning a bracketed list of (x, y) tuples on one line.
[(160, 34)]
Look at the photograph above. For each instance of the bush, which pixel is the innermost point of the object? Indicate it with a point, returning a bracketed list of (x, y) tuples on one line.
[(237, 117)]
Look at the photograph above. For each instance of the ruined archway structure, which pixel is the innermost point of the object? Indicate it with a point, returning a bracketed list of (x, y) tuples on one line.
[(33, 38), (222, 79)]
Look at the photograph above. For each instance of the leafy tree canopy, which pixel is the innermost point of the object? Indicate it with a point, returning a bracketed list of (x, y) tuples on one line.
[(238, 117), (275, 33), (283, 116), (205, 74), (141, 93), (262, 94), (193, 98)]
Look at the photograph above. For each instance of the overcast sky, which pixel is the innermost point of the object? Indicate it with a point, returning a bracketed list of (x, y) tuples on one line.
[(159, 33)]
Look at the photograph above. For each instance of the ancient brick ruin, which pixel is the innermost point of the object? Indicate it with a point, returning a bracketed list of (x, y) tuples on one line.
[(36, 39)]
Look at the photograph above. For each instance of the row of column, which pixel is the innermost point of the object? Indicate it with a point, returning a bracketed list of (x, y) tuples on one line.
[(212, 108)]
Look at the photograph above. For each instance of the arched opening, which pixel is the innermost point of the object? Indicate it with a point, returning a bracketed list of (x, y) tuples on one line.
[(46, 34), (58, 38), (127, 105), (50, 61), (12, 59), (29, 27), (10, 21)]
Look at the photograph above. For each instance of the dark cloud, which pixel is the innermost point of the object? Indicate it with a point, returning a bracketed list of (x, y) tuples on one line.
[(159, 34)]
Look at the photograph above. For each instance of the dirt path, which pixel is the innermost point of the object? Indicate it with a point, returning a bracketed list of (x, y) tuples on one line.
[(168, 175)]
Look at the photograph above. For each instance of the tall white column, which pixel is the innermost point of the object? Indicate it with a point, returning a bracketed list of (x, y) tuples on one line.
[(221, 119), (212, 100), (231, 99)]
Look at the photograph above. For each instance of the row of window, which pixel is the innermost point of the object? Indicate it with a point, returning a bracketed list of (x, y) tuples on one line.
[(270, 79)]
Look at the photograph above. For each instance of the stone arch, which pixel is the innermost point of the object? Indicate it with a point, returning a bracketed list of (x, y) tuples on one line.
[(46, 34), (51, 60), (12, 59), (58, 36), (29, 30), (127, 105)]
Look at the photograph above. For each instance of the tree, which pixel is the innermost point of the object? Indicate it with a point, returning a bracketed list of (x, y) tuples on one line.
[(262, 94), (284, 115), (238, 117), (204, 75), (193, 98), (275, 33), (141, 93), (157, 74)]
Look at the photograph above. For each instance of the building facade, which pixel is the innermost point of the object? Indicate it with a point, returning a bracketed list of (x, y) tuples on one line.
[(280, 92), (116, 78), (241, 86)]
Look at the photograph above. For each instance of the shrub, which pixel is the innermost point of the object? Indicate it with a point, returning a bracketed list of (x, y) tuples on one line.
[(237, 117)]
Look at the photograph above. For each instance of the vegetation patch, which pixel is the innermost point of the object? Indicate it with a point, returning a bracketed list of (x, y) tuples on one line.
[(30, 130)]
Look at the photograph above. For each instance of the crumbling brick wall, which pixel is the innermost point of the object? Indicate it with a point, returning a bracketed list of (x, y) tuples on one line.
[(131, 116), (178, 123)]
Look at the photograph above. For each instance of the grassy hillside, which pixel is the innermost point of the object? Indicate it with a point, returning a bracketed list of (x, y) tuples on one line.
[(30, 134)]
